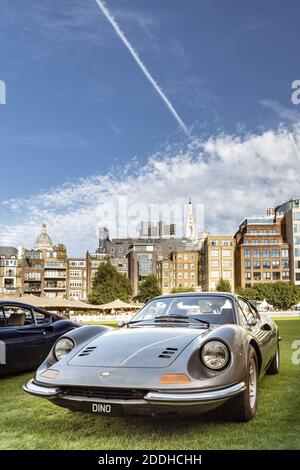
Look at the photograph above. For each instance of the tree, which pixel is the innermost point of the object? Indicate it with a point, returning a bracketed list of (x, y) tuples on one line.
[(149, 288), (223, 286), (280, 294), (109, 285), (178, 290)]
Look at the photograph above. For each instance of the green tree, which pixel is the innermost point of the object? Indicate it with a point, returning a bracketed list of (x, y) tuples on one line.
[(280, 294), (223, 286), (178, 290), (109, 285), (149, 288)]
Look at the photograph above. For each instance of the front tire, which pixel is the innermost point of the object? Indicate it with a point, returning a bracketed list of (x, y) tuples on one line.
[(274, 365), (243, 407)]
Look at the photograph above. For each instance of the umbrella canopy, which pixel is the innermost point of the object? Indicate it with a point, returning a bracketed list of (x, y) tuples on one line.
[(53, 303), (119, 305)]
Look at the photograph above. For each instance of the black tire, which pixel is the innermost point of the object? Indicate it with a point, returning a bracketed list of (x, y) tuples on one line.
[(274, 365), (243, 407)]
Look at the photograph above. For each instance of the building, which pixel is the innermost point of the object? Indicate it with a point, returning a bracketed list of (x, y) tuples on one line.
[(290, 211), (77, 279), (93, 261), (216, 262), (44, 268), (156, 230), (180, 269), (10, 271), (190, 225), (262, 254)]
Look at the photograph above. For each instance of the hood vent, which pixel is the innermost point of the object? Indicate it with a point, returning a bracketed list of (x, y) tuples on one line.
[(168, 353), (87, 351)]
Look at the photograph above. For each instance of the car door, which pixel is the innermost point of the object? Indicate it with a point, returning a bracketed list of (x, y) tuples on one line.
[(25, 340), (260, 330)]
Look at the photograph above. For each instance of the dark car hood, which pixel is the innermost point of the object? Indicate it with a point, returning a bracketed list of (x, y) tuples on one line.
[(136, 347)]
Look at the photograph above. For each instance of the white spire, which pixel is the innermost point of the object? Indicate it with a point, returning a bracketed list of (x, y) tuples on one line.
[(190, 225)]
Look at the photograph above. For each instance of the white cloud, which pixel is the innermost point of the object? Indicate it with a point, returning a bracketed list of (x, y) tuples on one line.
[(286, 114), (233, 176)]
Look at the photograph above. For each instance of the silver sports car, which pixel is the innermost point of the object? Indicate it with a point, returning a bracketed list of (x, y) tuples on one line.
[(181, 353)]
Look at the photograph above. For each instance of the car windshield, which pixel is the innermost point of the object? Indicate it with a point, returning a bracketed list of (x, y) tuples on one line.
[(214, 309)]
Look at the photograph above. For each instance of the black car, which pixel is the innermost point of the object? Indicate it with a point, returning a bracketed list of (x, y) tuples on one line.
[(27, 334)]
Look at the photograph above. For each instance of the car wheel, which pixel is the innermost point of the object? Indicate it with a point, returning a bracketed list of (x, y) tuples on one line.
[(275, 363), (243, 407)]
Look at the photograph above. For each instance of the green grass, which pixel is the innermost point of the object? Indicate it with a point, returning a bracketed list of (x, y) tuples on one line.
[(32, 423)]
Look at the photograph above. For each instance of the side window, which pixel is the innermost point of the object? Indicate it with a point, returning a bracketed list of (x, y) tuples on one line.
[(255, 314), (41, 318), (241, 315), (2, 318), (18, 316), (245, 309)]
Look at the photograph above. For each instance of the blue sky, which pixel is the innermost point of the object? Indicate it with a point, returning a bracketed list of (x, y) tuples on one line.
[(78, 106)]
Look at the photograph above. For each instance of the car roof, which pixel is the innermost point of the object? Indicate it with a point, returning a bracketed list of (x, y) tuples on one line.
[(13, 303), (198, 294)]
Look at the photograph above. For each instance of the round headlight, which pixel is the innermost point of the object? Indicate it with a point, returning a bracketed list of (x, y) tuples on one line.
[(215, 355), (63, 347)]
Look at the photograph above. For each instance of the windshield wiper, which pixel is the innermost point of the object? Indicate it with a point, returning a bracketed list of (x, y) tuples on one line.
[(180, 317)]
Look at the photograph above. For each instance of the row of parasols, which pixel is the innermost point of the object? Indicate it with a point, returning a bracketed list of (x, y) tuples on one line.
[(57, 303)]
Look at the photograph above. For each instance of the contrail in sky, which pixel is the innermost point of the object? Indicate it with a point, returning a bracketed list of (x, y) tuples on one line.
[(144, 69), (294, 144)]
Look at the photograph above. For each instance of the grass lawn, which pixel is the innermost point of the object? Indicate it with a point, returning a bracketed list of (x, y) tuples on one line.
[(32, 423)]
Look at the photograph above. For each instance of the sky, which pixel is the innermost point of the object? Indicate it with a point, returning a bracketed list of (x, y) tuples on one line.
[(84, 128)]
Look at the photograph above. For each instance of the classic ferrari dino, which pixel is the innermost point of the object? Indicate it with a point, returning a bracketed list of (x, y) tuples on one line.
[(181, 353)]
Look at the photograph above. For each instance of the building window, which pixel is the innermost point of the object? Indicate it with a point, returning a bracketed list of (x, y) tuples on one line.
[(296, 216), (192, 266), (276, 275), (186, 266), (297, 240), (186, 275), (275, 264), (214, 253), (297, 264), (247, 253), (75, 273), (215, 274), (256, 264), (275, 253), (75, 284), (256, 276), (296, 228), (285, 275), (266, 264), (247, 264), (226, 273), (227, 263), (297, 252), (186, 257), (284, 253), (214, 263), (179, 266), (256, 253), (266, 276), (248, 275), (266, 253), (226, 253), (297, 276)]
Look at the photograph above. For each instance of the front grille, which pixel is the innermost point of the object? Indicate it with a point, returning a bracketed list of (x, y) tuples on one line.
[(104, 393)]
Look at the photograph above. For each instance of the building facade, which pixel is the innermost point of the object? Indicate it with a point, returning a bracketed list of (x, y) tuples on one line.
[(217, 262), (262, 254), (10, 271), (180, 269), (77, 279), (290, 211)]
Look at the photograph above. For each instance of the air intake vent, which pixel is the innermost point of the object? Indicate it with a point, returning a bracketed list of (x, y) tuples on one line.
[(168, 353), (87, 351)]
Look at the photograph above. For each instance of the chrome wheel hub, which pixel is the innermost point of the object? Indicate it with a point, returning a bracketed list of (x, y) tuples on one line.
[(252, 384)]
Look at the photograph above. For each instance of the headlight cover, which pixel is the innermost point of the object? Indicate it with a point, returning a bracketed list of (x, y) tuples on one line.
[(63, 347), (215, 355)]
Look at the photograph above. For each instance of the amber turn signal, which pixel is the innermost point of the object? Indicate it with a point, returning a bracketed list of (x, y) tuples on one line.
[(50, 373), (174, 379)]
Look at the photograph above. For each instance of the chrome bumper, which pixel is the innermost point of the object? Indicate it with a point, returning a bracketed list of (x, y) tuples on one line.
[(155, 398)]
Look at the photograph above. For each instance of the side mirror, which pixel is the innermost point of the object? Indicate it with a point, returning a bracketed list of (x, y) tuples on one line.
[(122, 323), (252, 321)]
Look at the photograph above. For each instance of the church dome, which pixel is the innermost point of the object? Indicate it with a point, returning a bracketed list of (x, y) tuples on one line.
[(43, 240)]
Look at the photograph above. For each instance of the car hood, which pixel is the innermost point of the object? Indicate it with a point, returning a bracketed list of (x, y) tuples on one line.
[(136, 347)]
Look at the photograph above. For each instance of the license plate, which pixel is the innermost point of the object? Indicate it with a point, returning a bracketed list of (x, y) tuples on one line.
[(109, 409)]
